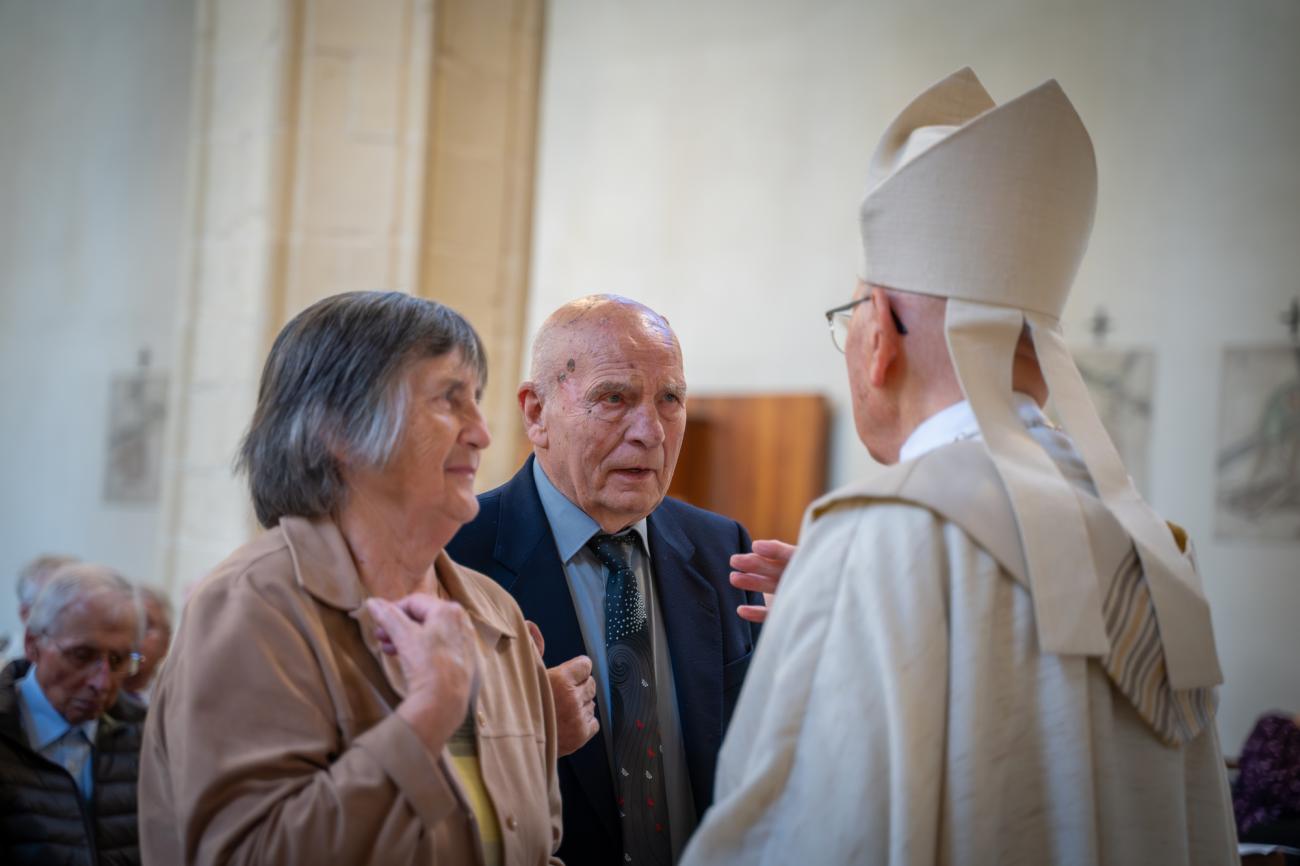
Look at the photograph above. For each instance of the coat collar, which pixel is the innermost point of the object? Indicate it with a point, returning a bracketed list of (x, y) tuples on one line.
[(323, 567), (470, 595), (517, 543), (665, 529)]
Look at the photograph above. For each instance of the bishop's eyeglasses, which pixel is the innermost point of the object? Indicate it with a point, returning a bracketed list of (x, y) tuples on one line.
[(837, 318)]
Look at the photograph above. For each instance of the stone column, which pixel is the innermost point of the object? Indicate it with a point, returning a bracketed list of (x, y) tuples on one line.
[(479, 192), (243, 130), (337, 146)]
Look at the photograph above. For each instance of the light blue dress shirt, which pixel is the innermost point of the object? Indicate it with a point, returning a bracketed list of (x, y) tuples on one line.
[(51, 736), (572, 528)]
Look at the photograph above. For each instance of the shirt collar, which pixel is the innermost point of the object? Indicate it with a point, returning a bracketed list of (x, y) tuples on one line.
[(42, 723), (571, 526), (957, 422)]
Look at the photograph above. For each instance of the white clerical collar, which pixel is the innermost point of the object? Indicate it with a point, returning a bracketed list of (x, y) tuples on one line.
[(957, 422)]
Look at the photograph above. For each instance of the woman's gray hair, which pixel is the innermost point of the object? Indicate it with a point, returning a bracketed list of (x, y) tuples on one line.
[(333, 384), (73, 583)]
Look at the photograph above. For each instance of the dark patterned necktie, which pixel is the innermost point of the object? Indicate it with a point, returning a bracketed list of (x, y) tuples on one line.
[(638, 766)]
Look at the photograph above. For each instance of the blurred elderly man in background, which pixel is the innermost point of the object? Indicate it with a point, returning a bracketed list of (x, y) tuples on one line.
[(991, 650), (34, 576), (31, 578), (154, 614), (69, 752)]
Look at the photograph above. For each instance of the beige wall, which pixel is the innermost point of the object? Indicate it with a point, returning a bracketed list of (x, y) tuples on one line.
[(707, 158), (331, 146), (94, 110), (324, 146), (307, 136)]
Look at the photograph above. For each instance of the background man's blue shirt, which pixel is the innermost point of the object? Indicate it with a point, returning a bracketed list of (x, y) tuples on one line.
[(69, 746)]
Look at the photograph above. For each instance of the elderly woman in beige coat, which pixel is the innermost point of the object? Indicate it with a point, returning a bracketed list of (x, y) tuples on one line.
[(340, 691)]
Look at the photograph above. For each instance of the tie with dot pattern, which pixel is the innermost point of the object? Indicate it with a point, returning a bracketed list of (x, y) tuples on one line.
[(638, 765)]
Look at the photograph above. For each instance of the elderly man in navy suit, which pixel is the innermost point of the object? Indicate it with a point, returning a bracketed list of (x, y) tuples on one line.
[(647, 632)]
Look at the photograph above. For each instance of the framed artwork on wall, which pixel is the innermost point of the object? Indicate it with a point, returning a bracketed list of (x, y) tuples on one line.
[(1120, 382), (1258, 489), (137, 410)]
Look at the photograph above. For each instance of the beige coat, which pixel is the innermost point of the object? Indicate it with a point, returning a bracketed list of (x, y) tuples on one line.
[(272, 737)]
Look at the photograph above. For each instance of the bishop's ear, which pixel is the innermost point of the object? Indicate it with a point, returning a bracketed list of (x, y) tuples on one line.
[(530, 404), (885, 338)]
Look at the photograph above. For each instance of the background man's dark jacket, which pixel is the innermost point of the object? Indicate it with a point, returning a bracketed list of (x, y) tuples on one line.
[(709, 645), (43, 820)]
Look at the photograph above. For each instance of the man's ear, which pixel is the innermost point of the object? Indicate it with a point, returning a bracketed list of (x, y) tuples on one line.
[(530, 403), (29, 645), (886, 342)]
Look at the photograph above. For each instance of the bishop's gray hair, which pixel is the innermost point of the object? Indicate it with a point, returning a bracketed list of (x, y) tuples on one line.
[(333, 384), (76, 582)]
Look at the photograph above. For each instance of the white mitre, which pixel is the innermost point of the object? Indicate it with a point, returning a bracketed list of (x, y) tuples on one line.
[(991, 206)]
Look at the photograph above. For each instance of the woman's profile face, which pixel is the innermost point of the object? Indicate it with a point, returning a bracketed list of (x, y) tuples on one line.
[(430, 475)]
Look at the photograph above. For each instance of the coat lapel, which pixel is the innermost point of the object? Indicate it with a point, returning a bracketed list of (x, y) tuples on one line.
[(690, 608), (526, 548)]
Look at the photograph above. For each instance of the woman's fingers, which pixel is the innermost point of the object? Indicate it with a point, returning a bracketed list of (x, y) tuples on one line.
[(386, 616), (419, 605)]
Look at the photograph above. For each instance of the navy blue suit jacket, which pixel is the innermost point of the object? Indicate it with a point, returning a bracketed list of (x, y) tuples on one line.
[(709, 645)]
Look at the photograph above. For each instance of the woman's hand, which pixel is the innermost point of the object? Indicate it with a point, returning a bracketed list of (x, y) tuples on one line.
[(435, 646)]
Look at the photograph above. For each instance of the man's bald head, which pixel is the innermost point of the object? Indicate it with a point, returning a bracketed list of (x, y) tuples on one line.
[(605, 406), (570, 327)]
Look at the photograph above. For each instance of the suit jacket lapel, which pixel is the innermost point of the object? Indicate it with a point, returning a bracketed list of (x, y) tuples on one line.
[(690, 608), (526, 547)]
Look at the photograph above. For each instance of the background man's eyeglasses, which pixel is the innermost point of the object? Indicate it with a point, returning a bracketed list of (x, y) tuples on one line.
[(84, 657)]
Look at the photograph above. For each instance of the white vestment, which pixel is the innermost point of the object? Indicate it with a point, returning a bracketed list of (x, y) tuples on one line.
[(898, 710)]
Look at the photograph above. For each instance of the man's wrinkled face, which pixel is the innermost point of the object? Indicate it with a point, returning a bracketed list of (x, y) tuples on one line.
[(83, 660), (613, 419)]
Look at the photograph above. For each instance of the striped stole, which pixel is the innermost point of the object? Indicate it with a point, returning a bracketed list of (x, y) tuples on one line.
[(1136, 661)]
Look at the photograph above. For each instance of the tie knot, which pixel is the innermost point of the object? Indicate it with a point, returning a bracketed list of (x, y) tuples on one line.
[(612, 550)]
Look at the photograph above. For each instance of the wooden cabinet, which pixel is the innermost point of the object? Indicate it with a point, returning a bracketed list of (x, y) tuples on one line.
[(758, 458)]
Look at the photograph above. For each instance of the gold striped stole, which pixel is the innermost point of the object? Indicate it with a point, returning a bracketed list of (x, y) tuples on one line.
[(1136, 661)]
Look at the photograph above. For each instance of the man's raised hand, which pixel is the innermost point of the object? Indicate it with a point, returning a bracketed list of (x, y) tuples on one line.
[(760, 571)]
